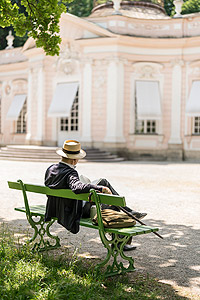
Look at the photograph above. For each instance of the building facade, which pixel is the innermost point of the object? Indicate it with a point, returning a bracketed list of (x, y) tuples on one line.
[(127, 79)]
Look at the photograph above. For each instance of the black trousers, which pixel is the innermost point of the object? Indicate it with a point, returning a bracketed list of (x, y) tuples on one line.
[(87, 206)]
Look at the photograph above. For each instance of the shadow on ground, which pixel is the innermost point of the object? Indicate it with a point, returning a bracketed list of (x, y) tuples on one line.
[(175, 259)]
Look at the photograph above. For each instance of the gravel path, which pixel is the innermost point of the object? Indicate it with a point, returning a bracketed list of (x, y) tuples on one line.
[(168, 192)]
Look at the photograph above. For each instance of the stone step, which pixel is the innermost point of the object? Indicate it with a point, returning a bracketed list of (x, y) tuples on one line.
[(48, 154)]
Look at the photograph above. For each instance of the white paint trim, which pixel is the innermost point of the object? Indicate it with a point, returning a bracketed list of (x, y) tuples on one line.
[(140, 51), (37, 58), (88, 34), (22, 72)]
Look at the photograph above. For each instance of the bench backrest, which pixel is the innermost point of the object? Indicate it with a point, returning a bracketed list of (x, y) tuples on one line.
[(66, 193), (98, 198)]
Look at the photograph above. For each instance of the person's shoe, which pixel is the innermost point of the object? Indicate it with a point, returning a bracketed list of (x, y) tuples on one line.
[(138, 215), (129, 248)]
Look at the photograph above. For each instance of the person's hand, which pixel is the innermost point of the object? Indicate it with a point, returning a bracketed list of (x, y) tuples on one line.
[(106, 190)]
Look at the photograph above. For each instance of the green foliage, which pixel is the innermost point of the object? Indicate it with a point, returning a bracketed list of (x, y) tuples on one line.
[(39, 18), (80, 8), (27, 275), (191, 6), (169, 6)]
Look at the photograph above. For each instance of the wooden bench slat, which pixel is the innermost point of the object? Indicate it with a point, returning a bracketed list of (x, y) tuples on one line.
[(66, 193), (39, 210), (35, 210), (88, 223), (131, 231)]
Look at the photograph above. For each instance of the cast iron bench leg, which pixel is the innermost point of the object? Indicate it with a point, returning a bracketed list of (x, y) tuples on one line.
[(115, 249), (40, 231)]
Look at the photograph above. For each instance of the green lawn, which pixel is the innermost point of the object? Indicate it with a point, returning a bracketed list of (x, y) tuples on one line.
[(48, 276)]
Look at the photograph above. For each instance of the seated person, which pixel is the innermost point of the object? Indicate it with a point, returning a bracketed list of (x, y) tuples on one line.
[(64, 176)]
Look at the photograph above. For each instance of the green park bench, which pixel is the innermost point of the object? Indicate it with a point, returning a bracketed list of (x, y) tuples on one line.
[(113, 239)]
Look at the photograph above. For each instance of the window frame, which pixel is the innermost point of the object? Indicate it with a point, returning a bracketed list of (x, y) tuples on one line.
[(68, 123), (144, 127), (193, 125), (21, 123), (144, 121)]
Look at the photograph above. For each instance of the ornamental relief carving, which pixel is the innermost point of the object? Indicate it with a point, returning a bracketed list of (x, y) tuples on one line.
[(195, 68), (195, 71), (193, 25), (19, 86), (149, 27), (177, 62), (100, 62), (117, 60), (147, 70), (68, 59), (7, 89)]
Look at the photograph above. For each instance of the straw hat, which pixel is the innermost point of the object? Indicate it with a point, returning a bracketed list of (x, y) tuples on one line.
[(71, 149)]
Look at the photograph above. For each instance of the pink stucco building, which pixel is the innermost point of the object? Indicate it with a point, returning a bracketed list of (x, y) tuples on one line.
[(127, 79)]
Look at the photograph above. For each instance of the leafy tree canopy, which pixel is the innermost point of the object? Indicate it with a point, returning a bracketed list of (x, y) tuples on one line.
[(80, 8), (191, 6), (40, 18), (188, 7)]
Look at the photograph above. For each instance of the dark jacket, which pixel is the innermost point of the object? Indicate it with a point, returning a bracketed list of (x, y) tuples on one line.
[(67, 211)]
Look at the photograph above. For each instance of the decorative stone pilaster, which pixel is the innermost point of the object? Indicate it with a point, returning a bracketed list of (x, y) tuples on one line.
[(35, 105), (29, 105), (86, 101), (115, 101), (175, 137), (40, 104)]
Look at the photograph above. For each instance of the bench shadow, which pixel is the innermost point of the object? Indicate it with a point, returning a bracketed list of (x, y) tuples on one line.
[(173, 259)]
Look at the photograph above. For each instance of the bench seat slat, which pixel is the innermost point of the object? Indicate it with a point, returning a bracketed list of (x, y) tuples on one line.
[(130, 231), (134, 230), (39, 210)]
